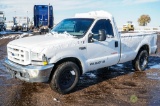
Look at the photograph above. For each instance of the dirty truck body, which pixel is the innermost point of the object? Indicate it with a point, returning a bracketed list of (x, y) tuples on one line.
[(88, 41)]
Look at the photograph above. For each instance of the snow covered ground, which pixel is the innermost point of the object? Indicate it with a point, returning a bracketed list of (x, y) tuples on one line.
[(15, 36)]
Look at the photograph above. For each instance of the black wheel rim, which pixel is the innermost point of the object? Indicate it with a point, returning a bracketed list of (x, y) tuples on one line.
[(67, 78), (143, 60)]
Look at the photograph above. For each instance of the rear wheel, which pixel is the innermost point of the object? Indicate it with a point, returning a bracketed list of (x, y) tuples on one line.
[(65, 77), (141, 61)]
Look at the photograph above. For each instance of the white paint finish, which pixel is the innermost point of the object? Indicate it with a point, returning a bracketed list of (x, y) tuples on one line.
[(128, 47), (130, 44), (94, 14), (95, 55), (102, 51), (18, 54), (74, 52)]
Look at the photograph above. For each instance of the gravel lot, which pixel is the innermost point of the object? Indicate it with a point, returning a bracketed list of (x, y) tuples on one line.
[(117, 86)]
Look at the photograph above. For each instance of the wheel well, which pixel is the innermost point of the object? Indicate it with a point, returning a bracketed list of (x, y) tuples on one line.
[(72, 59), (145, 47)]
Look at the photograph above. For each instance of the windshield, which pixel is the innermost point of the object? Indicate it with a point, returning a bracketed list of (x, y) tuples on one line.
[(74, 26)]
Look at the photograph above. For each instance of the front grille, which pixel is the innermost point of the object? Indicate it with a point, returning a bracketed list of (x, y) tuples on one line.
[(18, 54)]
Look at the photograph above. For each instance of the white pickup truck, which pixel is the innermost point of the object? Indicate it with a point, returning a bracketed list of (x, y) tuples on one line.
[(88, 41)]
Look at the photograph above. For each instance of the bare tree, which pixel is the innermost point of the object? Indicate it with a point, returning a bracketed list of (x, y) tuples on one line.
[(144, 19)]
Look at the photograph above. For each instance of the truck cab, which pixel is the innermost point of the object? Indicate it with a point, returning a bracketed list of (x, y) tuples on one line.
[(43, 17)]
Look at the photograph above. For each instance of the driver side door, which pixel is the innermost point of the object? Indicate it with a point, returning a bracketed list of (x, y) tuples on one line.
[(103, 53)]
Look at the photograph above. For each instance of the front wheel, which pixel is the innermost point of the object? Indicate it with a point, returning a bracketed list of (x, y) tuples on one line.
[(141, 61), (65, 77)]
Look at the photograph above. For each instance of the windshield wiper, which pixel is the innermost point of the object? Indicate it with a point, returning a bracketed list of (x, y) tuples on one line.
[(53, 33)]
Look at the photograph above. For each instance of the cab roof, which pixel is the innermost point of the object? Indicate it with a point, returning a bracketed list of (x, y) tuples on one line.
[(94, 14)]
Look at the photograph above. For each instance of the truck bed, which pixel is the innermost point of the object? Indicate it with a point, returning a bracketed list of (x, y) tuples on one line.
[(131, 43)]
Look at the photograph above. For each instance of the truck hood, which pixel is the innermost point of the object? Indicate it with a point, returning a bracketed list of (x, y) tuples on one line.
[(39, 42)]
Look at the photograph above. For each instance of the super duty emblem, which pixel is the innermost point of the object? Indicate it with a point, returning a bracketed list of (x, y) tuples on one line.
[(99, 62)]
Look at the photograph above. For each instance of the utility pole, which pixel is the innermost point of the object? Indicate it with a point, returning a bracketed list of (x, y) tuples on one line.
[(27, 18)]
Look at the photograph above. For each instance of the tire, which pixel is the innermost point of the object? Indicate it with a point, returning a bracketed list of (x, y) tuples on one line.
[(141, 61), (65, 77)]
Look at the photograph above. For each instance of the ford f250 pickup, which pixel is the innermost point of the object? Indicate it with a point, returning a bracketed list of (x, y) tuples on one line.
[(88, 41)]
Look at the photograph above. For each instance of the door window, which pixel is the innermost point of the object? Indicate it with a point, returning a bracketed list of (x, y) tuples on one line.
[(105, 25)]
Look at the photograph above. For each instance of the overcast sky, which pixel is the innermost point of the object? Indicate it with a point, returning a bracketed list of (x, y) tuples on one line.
[(122, 10)]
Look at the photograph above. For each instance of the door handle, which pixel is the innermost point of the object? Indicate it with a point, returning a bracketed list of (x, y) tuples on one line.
[(116, 43)]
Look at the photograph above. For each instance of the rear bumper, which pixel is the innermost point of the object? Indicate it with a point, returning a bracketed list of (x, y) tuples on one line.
[(29, 73)]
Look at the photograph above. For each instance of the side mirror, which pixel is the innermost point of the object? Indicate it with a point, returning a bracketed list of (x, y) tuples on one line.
[(90, 36), (102, 35), (4, 18)]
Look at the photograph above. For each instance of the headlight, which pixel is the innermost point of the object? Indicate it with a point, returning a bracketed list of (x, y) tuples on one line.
[(36, 56), (38, 59)]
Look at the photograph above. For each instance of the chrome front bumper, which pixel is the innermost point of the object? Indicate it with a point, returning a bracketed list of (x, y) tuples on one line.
[(29, 73)]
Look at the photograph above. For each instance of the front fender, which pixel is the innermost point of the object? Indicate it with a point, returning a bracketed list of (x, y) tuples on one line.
[(68, 54)]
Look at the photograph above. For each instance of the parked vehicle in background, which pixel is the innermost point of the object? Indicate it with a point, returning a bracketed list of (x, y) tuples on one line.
[(9, 25), (43, 17), (20, 24), (128, 27), (77, 45), (25, 27), (2, 21)]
